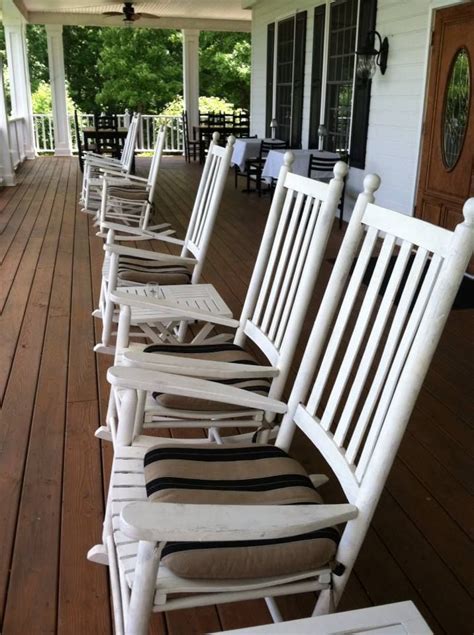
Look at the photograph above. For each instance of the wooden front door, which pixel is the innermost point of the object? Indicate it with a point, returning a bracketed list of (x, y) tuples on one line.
[(446, 169)]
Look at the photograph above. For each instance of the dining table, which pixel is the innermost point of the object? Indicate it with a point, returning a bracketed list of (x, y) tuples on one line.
[(275, 158), (246, 149)]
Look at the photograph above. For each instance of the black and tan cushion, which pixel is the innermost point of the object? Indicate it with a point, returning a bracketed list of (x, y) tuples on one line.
[(129, 193), (150, 271), (230, 353), (237, 475)]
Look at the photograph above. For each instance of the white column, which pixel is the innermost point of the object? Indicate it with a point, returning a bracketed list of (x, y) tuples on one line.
[(7, 173), (57, 79), (20, 89), (191, 75)]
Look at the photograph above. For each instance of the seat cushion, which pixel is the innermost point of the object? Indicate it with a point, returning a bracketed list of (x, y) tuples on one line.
[(230, 353), (150, 271), (237, 475), (129, 193)]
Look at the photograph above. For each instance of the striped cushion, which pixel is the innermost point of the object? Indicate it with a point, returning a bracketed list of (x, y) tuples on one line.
[(213, 352), (130, 193), (150, 271), (236, 475)]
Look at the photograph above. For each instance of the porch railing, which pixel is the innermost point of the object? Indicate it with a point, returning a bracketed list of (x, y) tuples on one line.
[(44, 131), (17, 142)]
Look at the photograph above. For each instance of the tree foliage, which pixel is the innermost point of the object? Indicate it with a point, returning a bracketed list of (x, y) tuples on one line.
[(140, 69), (82, 47), (206, 104), (37, 55), (225, 66)]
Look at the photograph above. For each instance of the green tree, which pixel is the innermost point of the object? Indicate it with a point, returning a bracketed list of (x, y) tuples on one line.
[(82, 47), (42, 101), (37, 55), (141, 69), (206, 104), (225, 66)]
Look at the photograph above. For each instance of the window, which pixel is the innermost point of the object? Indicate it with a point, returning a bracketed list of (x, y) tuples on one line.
[(286, 46), (284, 76), (340, 74)]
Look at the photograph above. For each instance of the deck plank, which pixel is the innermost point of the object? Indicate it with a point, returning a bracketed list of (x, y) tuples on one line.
[(38, 527), (17, 407)]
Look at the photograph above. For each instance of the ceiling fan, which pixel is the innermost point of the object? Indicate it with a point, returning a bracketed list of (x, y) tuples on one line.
[(129, 13)]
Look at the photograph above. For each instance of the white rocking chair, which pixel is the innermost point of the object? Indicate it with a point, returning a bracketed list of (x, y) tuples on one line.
[(95, 164), (136, 269), (287, 266), (182, 529), (129, 199)]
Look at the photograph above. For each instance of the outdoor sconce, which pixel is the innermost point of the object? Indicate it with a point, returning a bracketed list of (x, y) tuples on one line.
[(273, 127), (368, 57)]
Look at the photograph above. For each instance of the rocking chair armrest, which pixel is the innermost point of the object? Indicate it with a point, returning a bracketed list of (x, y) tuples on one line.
[(148, 255), (95, 155), (124, 179), (156, 381), (121, 238), (203, 368), (133, 233), (170, 310), (146, 234), (99, 160), (130, 203), (163, 522)]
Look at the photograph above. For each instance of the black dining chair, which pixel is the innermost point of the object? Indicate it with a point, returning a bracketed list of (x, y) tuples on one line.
[(80, 148), (190, 144), (318, 164), (255, 166), (107, 141)]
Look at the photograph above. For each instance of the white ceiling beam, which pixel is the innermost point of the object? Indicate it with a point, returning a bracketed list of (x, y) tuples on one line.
[(21, 8), (83, 19)]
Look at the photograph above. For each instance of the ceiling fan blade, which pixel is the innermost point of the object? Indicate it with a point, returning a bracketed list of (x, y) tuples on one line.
[(150, 16), (111, 13)]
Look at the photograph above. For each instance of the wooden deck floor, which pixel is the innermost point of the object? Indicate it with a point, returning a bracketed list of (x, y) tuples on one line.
[(52, 390)]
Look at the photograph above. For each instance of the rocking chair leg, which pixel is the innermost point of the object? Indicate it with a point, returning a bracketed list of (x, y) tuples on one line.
[(273, 609), (141, 600), (325, 603)]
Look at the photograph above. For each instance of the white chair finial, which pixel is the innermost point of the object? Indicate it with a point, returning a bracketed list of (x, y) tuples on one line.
[(468, 211), (371, 183), (288, 159), (231, 140), (216, 136), (340, 170)]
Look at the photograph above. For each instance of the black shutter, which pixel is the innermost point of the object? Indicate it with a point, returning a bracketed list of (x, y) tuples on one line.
[(270, 62), (361, 103), (316, 75), (298, 79)]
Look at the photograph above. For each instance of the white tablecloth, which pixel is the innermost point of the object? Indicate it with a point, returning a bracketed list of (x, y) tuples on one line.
[(245, 149), (274, 161)]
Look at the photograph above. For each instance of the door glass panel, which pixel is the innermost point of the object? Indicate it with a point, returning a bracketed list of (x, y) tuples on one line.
[(456, 108)]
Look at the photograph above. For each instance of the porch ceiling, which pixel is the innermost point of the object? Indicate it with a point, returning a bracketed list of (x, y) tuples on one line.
[(194, 14)]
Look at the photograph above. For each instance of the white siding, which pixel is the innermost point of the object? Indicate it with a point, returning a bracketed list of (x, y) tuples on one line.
[(397, 97)]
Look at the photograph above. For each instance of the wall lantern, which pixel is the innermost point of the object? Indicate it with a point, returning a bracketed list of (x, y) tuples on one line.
[(368, 57)]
